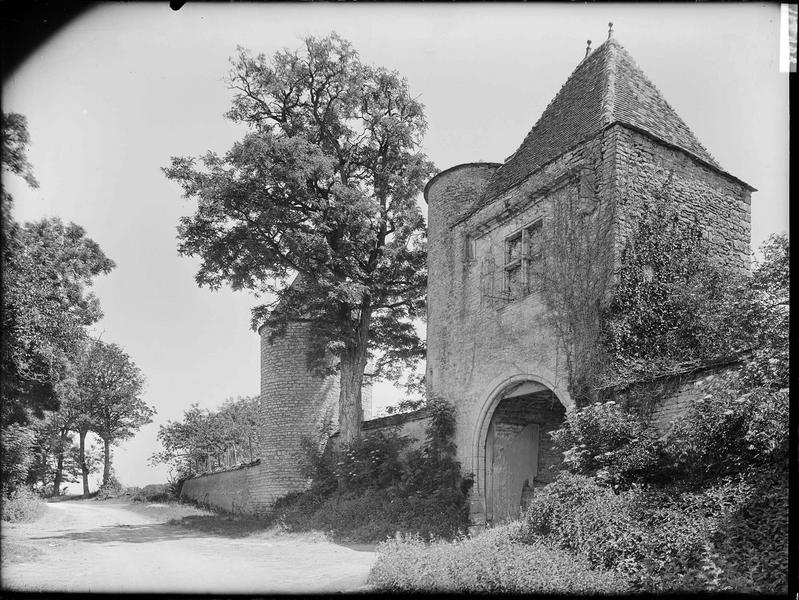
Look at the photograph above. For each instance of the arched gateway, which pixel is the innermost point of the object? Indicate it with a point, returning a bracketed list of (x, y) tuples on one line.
[(513, 452)]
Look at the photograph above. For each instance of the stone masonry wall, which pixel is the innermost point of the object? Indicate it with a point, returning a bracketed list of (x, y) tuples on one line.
[(244, 490), (646, 168), (232, 491), (294, 404), (686, 391)]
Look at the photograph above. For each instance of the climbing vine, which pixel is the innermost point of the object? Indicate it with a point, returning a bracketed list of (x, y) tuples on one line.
[(660, 305), (669, 299)]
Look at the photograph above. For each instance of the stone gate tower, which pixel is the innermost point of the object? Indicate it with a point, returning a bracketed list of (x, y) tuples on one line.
[(608, 141)]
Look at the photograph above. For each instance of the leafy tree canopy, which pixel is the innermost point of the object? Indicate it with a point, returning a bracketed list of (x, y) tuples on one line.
[(47, 270), (189, 445), (110, 387), (323, 187)]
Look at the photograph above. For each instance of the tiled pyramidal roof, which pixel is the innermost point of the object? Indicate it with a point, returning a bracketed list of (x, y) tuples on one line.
[(606, 87)]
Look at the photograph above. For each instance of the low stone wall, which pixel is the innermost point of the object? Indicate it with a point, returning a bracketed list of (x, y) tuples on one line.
[(685, 389), (232, 490), (243, 490), (411, 424)]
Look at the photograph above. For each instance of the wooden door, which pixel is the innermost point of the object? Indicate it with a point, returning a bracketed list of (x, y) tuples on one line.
[(511, 461)]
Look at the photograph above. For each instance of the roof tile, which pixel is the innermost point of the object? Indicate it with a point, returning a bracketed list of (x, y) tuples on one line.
[(606, 87)]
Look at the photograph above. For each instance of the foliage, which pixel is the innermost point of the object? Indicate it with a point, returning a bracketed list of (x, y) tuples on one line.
[(154, 492), (48, 268), (206, 439), (324, 187), (110, 387), (672, 304), (381, 484), (654, 543), (493, 562), (574, 274), (752, 539), (21, 506), (731, 535), (16, 457), (56, 458), (618, 446), (15, 147), (729, 429), (111, 488)]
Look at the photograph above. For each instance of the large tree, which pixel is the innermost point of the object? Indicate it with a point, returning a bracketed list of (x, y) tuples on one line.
[(47, 269), (323, 187), (110, 385)]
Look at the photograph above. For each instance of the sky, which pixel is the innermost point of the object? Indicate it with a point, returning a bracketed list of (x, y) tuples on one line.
[(122, 88)]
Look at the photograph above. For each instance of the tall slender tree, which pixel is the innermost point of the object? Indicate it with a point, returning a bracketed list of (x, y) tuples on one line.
[(323, 187)]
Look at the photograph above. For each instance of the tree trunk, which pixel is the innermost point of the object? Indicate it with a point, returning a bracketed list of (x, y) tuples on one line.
[(107, 461), (59, 467), (350, 414), (84, 468)]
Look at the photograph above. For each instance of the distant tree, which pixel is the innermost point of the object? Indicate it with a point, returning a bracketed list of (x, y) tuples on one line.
[(204, 439), (54, 452), (188, 444), (110, 386), (323, 187)]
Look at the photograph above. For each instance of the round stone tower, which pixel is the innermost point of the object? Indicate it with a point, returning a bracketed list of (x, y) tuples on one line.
[(294, 404)]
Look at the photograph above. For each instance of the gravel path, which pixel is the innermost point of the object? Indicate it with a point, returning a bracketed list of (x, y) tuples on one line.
[(89, 546)]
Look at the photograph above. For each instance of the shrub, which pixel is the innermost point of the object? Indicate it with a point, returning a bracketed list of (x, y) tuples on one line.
[(377, 486), (492, 562), (660, 541), (606, 440), (16, 456), (154, 492), (728, 429), (22, 506), (752, 538), (111, 489)]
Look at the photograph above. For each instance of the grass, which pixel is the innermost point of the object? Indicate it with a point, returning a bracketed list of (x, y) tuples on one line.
[(492, 562), (14, 552)]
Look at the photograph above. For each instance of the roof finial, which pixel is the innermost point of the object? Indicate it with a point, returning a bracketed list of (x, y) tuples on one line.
[(587, 49), (610, 30)]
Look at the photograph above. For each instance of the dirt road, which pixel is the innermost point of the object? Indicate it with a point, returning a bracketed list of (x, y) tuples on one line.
[(89, 546)]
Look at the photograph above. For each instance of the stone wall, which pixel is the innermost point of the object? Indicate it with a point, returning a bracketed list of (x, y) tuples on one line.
[(234, 491), (411, 424), (253, 488), (685, 390), (646, 168)]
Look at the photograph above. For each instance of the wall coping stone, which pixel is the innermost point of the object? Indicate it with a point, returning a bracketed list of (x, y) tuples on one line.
[(254, 463), (394, 420)]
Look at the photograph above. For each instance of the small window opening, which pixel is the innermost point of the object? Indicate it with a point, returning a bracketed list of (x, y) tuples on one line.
[(522, 253)]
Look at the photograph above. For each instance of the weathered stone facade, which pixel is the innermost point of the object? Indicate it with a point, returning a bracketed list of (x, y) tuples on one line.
[(607, 143)]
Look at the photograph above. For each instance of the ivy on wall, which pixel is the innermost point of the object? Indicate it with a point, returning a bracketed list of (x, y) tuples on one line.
[(668, 304)]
